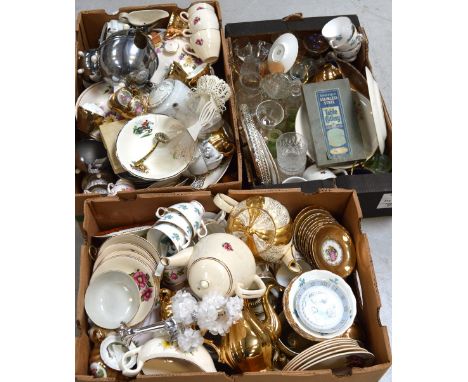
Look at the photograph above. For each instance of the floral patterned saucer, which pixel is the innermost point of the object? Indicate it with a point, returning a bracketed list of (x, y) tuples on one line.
[(319, 305), (148, 285)]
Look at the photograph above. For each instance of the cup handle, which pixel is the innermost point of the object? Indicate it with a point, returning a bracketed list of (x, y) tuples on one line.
[(188, 51), (110, 187), (202, 229), (256, 293), (184, 16), (225, 203), (332, 44), (187, 33), (289, 260), (123, 17), (125, 363), (160, 214), (220, 217)]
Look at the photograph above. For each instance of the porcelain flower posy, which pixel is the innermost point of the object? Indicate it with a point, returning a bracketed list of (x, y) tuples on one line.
[(184, 308), (214, 312), (188, 339)]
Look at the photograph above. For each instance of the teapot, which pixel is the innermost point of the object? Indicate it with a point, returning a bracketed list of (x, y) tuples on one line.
[(219, 263), (264, 225), (125, 57)]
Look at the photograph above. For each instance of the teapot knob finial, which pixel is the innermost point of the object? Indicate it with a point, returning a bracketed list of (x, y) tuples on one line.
[(204, 284)]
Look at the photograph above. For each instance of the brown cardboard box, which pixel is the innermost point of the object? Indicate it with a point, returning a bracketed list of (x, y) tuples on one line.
[(106, 213), (372, 189), (88, 29)]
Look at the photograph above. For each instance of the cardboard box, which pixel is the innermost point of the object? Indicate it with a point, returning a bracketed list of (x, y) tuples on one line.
[(88, 29), (105, 213), (374, 191)]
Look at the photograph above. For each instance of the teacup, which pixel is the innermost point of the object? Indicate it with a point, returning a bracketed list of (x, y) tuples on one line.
[(167, 238), (350, 44), (120, 185), (192, 211), (178, 220), (194, 8), (215, 223), (341, 33), (158, 356), (200, 20), (349, 53), (208, 159), (174, 275), (206, 45)]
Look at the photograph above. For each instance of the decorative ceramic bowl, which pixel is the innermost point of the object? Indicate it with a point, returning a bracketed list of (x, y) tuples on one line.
[(112, 298)]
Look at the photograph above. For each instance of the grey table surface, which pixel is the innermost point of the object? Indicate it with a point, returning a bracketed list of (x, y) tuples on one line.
[(376, 17)]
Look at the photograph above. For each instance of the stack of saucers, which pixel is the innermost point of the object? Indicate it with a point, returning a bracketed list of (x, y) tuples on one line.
[(338, 354), (123, 288), (324, 242)]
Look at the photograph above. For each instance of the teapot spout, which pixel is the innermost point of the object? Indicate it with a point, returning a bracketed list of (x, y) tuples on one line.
[(180, 259)]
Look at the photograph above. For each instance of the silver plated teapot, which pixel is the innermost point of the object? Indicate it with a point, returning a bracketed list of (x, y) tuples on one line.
[(126, 58)]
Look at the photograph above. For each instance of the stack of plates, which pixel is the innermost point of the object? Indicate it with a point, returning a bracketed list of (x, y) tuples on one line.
[(339, 354), (319, 305), (324, 242), (167, 161), (134, 256)]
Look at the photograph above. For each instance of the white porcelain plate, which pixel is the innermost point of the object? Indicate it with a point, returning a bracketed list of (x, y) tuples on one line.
[(377, 110), (168, 160), (319, 305)]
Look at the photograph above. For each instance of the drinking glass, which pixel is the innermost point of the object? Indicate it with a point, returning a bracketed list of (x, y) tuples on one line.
[(270, 114), (291, 151), (276, 85)]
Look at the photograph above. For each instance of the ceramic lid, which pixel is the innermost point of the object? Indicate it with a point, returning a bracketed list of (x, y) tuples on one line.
[(208, 274)]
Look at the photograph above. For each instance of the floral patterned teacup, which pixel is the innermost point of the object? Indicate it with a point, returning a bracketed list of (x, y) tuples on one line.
[(195, 8), (206, 45), (200, 20), (174, 275), (178, 220), (167, 238), (192, 211)]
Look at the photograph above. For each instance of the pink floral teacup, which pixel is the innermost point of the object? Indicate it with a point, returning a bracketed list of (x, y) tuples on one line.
[(200, 20), (206, 45), (195, 8), (174, 275)]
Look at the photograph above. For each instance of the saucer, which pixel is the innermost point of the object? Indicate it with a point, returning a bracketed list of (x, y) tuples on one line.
[(142, 275), (97, 94), (319, 305), (333, 250), (283, 53)]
